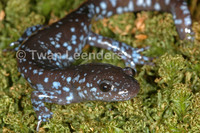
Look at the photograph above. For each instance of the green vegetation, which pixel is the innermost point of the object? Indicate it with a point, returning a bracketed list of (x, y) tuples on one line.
[(169, 98)]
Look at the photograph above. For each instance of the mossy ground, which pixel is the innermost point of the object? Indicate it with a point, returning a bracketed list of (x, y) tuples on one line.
[(169, 98)]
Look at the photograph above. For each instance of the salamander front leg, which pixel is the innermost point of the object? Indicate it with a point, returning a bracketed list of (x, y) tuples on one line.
[(27, 33), (38, 98), (130, 55)]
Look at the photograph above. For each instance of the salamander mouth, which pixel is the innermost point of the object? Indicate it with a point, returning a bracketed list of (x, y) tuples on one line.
[(121, 99)]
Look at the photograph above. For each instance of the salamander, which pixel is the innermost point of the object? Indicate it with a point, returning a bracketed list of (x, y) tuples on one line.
[(55, 80)]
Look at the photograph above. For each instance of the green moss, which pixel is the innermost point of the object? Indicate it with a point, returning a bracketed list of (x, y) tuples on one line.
[(171, 69), (169, 98), (60, 7)]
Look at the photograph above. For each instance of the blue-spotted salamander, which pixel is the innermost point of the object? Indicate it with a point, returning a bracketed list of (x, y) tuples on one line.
[(55, 81)]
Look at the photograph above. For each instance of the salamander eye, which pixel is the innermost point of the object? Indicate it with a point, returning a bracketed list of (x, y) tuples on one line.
[(106, 86)]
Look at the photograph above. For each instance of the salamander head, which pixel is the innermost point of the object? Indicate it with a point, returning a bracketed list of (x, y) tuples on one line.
[(109, 83)]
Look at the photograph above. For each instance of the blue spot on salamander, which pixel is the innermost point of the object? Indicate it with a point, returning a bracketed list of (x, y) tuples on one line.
[(56, 85)]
